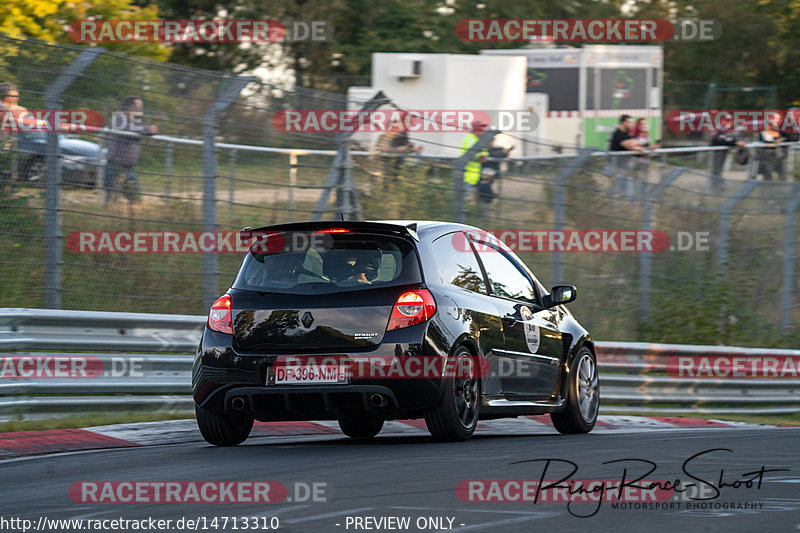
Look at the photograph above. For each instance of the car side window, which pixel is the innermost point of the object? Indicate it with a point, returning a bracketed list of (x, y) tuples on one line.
[(505, 277), (457, 264)]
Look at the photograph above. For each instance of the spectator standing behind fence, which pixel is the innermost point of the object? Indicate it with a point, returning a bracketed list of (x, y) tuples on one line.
[(7, 138), (472, 170), (393, 146), (641, 132), (9, 102), (768, 155), (9, 98), (622, 140), (124, 150), (789, 132), (725, 136), (490, 173)]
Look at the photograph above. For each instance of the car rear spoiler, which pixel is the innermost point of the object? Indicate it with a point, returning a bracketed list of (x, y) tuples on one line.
[(248, 234)]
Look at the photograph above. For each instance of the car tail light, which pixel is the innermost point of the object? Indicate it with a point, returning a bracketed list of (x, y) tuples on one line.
[(219, 318), (412, 307)]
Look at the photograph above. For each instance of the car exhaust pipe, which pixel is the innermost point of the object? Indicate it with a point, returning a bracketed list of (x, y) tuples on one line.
[(378, 400), (237, 403)]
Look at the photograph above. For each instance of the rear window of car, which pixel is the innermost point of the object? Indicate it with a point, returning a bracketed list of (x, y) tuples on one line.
[(324, 263)]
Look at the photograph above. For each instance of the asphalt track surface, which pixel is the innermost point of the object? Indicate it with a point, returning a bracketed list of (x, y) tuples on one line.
[(415, 477)]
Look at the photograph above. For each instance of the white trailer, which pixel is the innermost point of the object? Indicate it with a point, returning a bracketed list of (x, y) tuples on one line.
[(444, 82)]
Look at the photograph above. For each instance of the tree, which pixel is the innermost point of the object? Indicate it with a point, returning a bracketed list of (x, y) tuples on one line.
[(46, 20), (743, 55)]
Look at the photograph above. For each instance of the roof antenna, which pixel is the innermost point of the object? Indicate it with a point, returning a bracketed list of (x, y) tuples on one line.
[(341, 214)]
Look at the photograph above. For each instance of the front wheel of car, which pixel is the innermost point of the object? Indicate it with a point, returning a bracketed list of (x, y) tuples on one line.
[(456, 416), (583, 396), (360, 427), (222, 429)]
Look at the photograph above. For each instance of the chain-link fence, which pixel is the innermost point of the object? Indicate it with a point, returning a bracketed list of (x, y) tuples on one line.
[(727, 275), (181, 179)]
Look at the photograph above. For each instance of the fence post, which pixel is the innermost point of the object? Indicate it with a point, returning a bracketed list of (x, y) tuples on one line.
[(787, 282), (498, 207), (559, 204), (646, 258), (231, 181), (348, 206), (52, 215), (344, 199), (210, 123), (168, 166), (339, 174), (724, 223), (292, 183), (330, 182)]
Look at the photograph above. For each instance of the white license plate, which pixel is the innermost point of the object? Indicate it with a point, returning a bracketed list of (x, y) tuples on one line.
[(305, 374)]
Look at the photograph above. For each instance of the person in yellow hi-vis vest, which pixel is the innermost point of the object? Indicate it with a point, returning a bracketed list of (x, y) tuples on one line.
[(472, 170)]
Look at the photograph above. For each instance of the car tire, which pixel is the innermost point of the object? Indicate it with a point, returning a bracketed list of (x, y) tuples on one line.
[(455, 417), (222, 429), (583, 396), (360, 427)]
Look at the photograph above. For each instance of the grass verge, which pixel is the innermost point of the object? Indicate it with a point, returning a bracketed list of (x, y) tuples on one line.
[(90, 420), (773, 420)]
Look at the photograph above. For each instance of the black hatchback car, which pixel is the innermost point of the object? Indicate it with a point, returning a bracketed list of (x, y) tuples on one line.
[(363, 322)]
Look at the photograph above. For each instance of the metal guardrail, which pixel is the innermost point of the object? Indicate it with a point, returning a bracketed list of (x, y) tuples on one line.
[(47, 329), (144, 361), (644, 377), (571, 151)]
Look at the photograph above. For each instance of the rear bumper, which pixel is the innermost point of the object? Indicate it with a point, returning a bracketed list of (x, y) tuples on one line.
[(311, 403), (220, 375)]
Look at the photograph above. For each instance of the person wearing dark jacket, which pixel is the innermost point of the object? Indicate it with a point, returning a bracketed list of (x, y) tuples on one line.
[(623, 141), (490, 173), (124, 150), (768, 155), (725, 136)]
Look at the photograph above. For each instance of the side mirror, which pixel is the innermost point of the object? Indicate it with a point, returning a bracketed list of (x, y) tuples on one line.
[(559, 295)]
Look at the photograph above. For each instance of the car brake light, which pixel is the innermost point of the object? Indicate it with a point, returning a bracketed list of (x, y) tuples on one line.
[(412, 307), (332, 230), (219, 318)]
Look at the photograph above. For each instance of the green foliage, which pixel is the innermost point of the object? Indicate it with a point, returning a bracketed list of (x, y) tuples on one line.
[(47, 20)]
